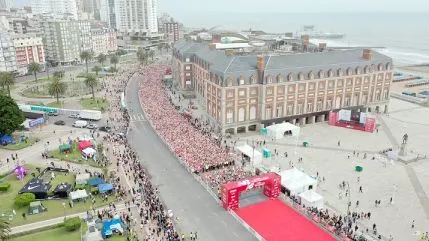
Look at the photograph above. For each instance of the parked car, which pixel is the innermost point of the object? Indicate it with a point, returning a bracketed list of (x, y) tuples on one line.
[(91, 126), (53, 113), (105, 128), (80, 124), (59, 123), (74, 116)]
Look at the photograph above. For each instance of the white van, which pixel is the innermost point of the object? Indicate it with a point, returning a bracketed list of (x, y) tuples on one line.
[(80, 124)]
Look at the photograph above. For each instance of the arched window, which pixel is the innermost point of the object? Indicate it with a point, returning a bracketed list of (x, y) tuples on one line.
[(280, 78), (330, 73), (321, 74), (252, 79), (269, 79), (241, 80), (340, 72), (388, 66), (380, 67), (358, 70), (310, 75), (229, 81), (366, 69), (301, 76), (290, 77), (241, 112), (252, 114), (349, 71)]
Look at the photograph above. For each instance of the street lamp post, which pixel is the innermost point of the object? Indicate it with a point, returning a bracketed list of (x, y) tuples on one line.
[(64, 208)]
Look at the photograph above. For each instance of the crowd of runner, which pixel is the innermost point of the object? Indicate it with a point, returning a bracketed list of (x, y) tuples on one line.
[(189, 140), (150, 216)]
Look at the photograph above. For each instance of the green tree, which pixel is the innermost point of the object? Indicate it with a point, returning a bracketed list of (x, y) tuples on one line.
[(142, 56), (91, 81), (56, 88), (97, 69), (121, 52), (24, 199), (4, 229), (114, 60), (34, 68), (72, 224), (151, 54), (86, 56), (59, 74), (6, 80), (11, 116), (101, 58)]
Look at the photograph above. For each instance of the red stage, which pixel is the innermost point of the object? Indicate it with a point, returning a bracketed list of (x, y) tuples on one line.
[(276, 221)]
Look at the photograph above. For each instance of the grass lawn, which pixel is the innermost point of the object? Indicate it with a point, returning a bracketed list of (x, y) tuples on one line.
[(97, 104), (74, 157), (21, 145), (55, 207), (53, 235)]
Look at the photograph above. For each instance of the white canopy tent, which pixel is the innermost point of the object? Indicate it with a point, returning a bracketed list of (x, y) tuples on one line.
[(82, 178), (88, 153), (279, 131), (78, 194), (297, 181), (254, 155), (310, 198)]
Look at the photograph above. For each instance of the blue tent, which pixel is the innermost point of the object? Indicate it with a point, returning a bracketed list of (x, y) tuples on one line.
[(109, 225), (94, 181), (8, 139), (105, 187)]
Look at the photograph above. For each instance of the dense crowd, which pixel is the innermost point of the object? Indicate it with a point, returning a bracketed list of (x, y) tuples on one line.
[(152, 216), (193, 147)]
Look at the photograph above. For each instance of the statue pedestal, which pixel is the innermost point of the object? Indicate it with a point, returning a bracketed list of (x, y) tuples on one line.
[(402, 151)]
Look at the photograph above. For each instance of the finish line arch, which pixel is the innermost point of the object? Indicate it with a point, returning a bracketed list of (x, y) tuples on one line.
[(230, 191)]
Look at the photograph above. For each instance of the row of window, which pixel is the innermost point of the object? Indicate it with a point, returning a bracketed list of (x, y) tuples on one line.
[(299, 110)]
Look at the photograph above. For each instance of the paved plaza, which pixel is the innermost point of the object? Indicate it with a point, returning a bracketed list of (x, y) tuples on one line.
[(380, 179)]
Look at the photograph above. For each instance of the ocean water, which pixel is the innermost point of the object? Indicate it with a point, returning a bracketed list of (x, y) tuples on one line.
[(404, 35)]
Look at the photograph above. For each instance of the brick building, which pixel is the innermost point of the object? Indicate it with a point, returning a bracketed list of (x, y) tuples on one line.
[(172, 31), (242, 93)]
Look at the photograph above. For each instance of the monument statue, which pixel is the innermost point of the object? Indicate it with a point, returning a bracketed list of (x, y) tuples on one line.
[(405, 139)]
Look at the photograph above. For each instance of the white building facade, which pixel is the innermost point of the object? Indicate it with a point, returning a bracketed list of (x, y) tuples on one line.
[(56, 8), (103, 41), (136, 16), (61, 41), (7, 53), (6, 4)]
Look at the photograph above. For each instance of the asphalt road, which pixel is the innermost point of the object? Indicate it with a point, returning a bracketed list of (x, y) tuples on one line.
[(190, 202)]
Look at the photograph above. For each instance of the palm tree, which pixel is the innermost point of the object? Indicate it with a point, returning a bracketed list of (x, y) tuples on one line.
[(101, 58), (151, 54), (86, 56), (7, 79), (96, 69), (141, 55), (114, 60), (159, 46), (57, 88), (91, 81), (4, 229), (34, 68)]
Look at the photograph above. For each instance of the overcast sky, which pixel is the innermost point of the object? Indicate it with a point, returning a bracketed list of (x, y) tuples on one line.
[(179, 7)]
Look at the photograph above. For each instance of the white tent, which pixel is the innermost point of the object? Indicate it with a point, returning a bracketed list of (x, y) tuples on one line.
[(89, 152), (254, 155), (297, 181), (278, 131), (79, 194), (310, 198), (82, 178)]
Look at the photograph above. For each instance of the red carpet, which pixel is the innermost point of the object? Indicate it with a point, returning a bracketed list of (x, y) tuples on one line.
[(276, 221)]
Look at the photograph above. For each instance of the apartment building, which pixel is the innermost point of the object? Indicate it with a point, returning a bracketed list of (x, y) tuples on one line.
[(136, 16), (7, 52), (103, 41), (242, 93), (6, 4), (28, 49), (172, 31), (55, 8)]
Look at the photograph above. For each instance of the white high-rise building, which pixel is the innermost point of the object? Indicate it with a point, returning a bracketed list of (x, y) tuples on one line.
[(108, 13), (6, 4), (136, 16), (56, 8), (7, 52)]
